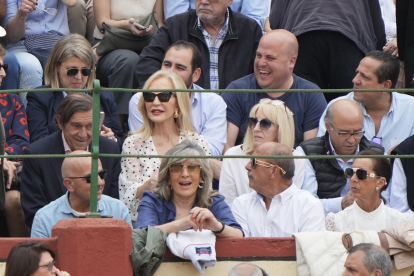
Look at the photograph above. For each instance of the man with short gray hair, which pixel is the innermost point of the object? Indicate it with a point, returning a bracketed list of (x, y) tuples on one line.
[(367, 259), (246, 269), (324, 178), (276, 208)]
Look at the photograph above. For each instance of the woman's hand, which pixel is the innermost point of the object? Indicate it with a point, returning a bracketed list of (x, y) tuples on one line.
[(137, 31), (149, 185), (107, 132), (391, 47), (26, 7), (205, 219), (11, 170)]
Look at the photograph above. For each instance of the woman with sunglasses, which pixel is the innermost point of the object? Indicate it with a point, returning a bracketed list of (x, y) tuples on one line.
[(269, 121), (368, 178), (167, 122), (32, 259), (184, 199), (13, 116), (71, 65)]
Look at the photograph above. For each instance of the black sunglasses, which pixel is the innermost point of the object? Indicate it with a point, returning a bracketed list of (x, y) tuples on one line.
[(4, 66), (163, 97), (265, 124), (360, 173), (74, 71), (102, 175)]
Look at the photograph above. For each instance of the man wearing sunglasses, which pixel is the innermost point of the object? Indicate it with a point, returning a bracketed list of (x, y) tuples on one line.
[(208, 110), (276, 207), (75, 203), (42, 180), (324, 178), (273, 69)]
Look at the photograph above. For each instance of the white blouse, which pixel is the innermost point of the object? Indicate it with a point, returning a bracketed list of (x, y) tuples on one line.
[(233, 176), (354, 218), (136, 171)]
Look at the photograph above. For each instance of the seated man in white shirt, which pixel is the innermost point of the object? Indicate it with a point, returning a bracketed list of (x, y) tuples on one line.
[(324, 178), (276, 208), (388, 117), (75, 203)]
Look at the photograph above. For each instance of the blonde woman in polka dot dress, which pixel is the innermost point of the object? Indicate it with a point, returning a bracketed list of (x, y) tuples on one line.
[(167, 122)]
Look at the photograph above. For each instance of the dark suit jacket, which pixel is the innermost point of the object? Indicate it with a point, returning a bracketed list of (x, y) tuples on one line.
[(42, 107), (404, 10), (42, 180)]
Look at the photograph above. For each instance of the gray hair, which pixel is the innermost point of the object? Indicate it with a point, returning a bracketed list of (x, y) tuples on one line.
[(329, 114), (241, 269), (186, 148), (288, 165), (375, 258)]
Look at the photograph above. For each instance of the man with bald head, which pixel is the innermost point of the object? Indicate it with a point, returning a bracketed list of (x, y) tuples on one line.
[(276, 208), (246, 269), (325, 178), (273, 69), (76, 174)]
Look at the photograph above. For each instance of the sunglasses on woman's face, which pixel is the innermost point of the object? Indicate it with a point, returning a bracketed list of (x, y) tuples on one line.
[(74, 71), (4, 66), (192, 168), (163, 97), (360, 173), (265, 124)]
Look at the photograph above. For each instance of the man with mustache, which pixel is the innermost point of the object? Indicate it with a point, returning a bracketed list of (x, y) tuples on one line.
[(227, 41), (276, 208), (75, 203)]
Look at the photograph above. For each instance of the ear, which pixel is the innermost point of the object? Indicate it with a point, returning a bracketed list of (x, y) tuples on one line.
[(68, 184), (59, 123), (196, 74), (381, 183), (327, 126), (230, 2), (274, 172), (292, 62), (377, 272), (387, 84)]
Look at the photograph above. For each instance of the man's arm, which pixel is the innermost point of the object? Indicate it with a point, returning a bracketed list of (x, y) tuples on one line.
[(256, 9), (310, 134), (240, 216), (313, 217), (39, 229), (377, 23), (396, 192), (135, 120), (3, 9), (232, 132)]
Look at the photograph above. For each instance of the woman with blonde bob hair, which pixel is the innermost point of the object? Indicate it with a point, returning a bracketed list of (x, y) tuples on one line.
[(167, 122), (184, 199), (269, 121), (70, 65)]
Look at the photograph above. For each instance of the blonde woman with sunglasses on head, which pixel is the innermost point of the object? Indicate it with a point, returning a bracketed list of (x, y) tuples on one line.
[(269, 121), (368, 178), (167, 122)]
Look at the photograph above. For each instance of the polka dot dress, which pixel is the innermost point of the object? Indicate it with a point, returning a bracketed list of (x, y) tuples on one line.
[(136, 171)]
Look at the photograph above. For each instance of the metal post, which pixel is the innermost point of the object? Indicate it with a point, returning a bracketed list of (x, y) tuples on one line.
[(95, 149)]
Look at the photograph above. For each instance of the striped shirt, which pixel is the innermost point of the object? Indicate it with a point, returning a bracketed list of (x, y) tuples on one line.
[(213, 48)]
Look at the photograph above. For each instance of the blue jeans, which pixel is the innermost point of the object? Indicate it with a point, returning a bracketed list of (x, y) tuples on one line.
[(11, 80)]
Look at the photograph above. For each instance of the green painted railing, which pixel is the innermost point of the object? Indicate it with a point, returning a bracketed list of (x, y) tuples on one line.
[(96, 131)]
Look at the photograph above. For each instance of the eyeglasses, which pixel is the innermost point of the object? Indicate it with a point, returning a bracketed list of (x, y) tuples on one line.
[(74, 71), (265, 124), (4, 66), (192, 168), (347, 135), (163, 97), (360, 173), (277, 103), (102, 175), (49, 266), (51, 11), (256, 162)]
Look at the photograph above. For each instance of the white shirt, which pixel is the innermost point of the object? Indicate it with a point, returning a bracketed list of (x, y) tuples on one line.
[(311, 185), (388, 15), (396, 192), (290, 212), (396, 125), (354, 218), (233, 177), (208, 115)]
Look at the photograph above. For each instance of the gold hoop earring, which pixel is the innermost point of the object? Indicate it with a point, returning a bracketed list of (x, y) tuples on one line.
[(176, 114)]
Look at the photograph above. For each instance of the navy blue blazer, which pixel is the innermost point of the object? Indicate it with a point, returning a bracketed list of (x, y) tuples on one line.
[(42, 180), (42, 107)]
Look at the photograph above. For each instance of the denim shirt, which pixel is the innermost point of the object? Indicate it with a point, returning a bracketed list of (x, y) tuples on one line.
[(50, 214), (153, 211)]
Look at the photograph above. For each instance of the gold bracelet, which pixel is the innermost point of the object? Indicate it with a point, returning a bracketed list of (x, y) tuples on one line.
[(21, 16)]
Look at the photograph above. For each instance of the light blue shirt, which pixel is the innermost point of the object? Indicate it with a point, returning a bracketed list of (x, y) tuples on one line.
[(208, 112), (255, 9), (396, 125), (50, 214), (311, 185), (38, 21)]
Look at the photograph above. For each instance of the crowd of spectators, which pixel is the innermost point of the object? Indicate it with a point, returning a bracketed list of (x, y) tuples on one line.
[(209, 44)]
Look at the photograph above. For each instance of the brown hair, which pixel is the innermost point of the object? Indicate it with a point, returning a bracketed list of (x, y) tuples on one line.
[(72, 103)]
